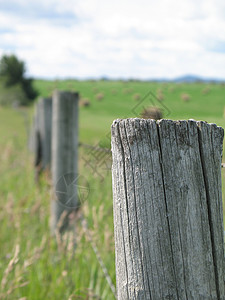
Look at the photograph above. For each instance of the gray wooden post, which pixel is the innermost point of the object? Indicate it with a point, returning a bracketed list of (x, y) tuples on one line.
[(40, 135), (64, 156), (40, 139), (44, 130), (168, 215)]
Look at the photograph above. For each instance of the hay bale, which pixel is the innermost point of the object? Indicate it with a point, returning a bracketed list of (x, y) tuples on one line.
[(136, 96), (171, 89), (159, 91), (152, 112), (160, 97), (127, 91), (84, 102), (99, 96), (206, 91), (185, 97), (114, 91)]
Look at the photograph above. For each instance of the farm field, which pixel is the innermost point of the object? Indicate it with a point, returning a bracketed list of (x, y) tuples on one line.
[(206, 102), (34, 265)]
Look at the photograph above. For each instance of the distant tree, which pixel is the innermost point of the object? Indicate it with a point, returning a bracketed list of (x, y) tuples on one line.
[(12, 73), (12, 69)]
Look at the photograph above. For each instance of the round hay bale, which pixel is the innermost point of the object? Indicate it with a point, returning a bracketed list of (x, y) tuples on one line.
[(206, 91), (160, 97), (99, 96), (185, 97), (137, 96), (152, 112), (159, 91), (114, 91), (127, 91), (84, 102), (171, 89)]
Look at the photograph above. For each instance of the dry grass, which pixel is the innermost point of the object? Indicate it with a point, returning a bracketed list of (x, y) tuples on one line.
[(10, 267)]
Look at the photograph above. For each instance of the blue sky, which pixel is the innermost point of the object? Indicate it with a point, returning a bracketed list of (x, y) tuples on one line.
[(94, 38)]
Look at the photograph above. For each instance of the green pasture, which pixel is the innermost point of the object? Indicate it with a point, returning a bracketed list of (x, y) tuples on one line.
[(206, 102), (46, 268)]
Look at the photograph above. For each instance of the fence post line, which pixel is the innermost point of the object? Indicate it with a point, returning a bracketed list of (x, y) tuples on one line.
[(64, 156), (168, 218)]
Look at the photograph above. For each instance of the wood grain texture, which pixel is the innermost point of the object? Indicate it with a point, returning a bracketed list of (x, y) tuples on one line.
[(168, 209), (64, 153)]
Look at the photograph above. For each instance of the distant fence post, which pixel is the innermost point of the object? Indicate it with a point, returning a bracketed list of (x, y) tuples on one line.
[(44, 120), (40, 137), (168, 216), (64, 156)]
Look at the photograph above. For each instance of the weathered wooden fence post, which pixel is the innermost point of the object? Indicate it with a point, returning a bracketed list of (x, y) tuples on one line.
[(168, 210), (40, 135), (64, 156), (43, 132)]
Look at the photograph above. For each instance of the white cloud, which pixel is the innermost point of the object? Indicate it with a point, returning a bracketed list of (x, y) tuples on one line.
[(121, 38)]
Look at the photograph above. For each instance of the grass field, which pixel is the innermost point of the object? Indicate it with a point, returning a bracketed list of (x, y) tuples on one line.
[(33, 264)]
